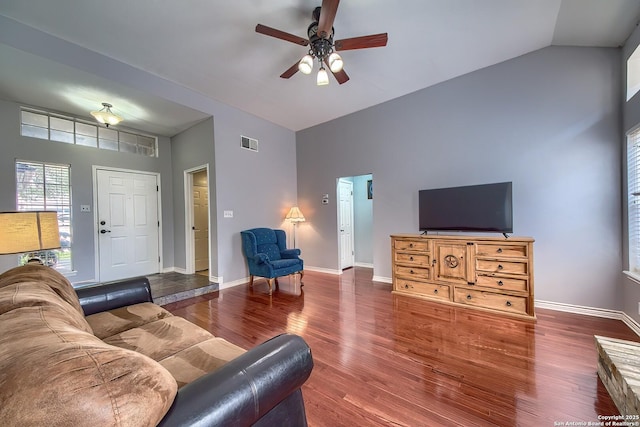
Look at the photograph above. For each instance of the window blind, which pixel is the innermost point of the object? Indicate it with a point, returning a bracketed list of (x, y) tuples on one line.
[(633, 177), (47, 187)]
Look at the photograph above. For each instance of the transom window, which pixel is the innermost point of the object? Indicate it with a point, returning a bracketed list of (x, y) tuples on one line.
[(69, 130)]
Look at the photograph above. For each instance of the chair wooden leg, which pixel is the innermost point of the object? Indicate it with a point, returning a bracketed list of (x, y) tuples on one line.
[(251, 280), (277, 284), (301, 274), (270, 281)]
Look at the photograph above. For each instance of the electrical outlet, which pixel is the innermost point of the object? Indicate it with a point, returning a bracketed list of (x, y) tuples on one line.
[(85, 208)]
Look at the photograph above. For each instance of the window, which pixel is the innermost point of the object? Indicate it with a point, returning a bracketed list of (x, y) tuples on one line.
[(43, 125), (633, 73), (47, 187)]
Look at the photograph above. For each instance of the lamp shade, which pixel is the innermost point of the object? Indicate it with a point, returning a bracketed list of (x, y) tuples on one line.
[(323, 77), (295, 215), (306, 64), (106, 116), (28, 231)]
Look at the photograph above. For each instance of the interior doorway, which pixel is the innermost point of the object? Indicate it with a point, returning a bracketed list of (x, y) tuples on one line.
[(354, 197), (197, 224)]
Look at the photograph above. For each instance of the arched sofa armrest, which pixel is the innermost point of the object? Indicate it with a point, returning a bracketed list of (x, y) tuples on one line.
[(263, 382), (109, 296)]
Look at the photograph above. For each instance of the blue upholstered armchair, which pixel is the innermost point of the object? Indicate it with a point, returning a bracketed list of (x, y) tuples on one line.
[(268, 256)]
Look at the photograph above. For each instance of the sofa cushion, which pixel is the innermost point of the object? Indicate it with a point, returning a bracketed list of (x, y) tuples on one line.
[(160, 339), (112, 322), (45, 276), (199, 359), (79, 379), (34, 294)]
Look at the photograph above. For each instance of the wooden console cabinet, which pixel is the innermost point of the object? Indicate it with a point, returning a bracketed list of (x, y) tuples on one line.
[(487, 273)]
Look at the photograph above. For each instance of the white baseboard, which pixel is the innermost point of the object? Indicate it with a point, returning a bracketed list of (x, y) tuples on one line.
[(382, 279), (231, 284), (168, 270), (179, 270), (591, 311), (324, 270), (364, 264)]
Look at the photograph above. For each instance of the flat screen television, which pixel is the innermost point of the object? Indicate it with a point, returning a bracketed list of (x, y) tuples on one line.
[(486, 207)]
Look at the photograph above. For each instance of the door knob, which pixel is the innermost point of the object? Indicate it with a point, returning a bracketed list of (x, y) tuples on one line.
[(103, 222), (103, 231)]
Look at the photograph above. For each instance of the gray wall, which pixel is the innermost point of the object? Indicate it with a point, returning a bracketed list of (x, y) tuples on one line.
[(548, 121), (363, 220), (630, 119), (259, 187), (14, 146), (189, 149)]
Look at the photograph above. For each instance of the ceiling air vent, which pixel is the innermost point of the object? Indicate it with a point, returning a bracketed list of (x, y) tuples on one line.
[(249, 143)]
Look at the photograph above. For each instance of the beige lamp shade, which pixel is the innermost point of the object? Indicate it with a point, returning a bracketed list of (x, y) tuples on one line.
[(28, 231), (295, 215)]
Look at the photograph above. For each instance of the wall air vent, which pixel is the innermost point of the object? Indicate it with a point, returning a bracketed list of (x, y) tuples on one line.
[(249, 143)]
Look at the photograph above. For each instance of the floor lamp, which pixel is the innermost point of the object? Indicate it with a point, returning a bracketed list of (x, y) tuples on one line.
[(28, 231), (294, 216)]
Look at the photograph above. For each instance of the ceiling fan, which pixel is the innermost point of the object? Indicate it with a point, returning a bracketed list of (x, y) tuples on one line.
[(322, 47)]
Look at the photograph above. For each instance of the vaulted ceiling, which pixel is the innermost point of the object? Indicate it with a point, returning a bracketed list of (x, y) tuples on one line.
[(211, 48)]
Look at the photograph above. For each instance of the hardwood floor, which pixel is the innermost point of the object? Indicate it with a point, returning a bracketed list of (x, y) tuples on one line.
[(388, 360)]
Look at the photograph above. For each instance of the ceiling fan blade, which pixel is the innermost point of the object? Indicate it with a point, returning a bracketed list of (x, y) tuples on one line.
[(268, 31), (328, 12), (341, 76), (363, 42), (290, 71)]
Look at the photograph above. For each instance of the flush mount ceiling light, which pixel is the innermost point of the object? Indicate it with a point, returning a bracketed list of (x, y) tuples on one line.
[(106, 116), (322, 46)]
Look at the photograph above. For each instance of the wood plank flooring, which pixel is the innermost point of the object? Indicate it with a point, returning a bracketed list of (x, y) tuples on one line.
[(389, 360)]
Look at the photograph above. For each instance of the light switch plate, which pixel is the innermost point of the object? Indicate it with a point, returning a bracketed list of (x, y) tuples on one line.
[(85, 208), (228, 214)]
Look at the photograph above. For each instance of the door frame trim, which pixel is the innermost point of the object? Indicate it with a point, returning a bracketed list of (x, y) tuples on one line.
[(189, 238), (96, 249)]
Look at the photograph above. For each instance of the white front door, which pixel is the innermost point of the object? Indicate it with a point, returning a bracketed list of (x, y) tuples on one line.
[(201, 226), (345, 223), (128, 227)]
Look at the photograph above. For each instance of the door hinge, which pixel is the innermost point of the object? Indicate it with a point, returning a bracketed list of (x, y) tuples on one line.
[(158, 259), (157, 188)]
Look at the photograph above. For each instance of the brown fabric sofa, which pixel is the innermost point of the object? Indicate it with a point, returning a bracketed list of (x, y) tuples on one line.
[(108, 356)]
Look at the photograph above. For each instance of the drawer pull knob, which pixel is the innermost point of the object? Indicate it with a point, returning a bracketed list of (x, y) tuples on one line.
[(508, 303), (406, 286), (410, 245), (468, 296), (435, 291), (500, 283), (411, 271), (500, 267), (410, 258), (499, 250)]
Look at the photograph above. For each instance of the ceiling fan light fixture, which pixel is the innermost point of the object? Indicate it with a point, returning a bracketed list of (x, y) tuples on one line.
[(106, 116), (323, 77), (335, 62), (306, 64)]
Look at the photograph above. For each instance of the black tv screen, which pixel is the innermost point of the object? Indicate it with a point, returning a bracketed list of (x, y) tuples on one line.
[(486, 207)]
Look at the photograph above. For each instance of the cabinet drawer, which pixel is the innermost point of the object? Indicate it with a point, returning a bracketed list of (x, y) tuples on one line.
[(491, 300), (417, 272), (412, 245), (413, 259), (502, 266), (501, 251), (507, 283), (426, 289)]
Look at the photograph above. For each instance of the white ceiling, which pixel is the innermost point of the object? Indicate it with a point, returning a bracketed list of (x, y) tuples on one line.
[(211, 48)]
